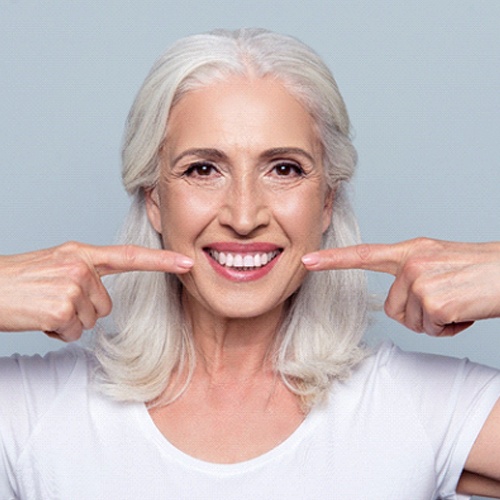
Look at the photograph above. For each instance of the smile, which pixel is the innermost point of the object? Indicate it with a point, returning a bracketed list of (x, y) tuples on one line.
[(243, 261)]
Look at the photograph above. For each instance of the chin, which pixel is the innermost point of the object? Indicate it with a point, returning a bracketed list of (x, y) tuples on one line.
[(244, 311)]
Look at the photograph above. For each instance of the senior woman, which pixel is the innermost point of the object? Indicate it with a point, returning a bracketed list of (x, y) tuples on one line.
[(234, 372)]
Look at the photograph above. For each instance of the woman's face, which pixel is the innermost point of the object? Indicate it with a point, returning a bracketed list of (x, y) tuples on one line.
[(242, 192)]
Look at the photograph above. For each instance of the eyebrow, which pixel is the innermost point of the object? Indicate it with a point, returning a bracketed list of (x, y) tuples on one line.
[(217, 155), (270, 153), (211, 153)]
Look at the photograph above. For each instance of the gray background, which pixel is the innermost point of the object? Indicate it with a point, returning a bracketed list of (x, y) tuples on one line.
[(421, 81)]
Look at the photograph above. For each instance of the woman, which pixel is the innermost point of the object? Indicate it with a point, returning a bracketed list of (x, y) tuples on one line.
[(237, 373)]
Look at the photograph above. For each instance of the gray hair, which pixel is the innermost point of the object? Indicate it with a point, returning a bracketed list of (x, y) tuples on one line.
[(320, 339)]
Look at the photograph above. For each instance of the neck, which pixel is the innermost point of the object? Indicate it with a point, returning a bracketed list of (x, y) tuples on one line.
[(233, 348)]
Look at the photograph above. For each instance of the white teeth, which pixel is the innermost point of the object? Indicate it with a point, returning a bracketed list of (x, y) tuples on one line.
[(246, 261)]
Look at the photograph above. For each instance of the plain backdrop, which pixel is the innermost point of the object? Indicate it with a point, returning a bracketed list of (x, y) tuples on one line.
[(421, 81)]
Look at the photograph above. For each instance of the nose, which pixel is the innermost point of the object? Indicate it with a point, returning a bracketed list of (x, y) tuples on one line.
[(245, 207)]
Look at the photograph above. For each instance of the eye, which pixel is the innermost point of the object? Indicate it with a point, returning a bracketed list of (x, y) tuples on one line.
[(200, 169), (288, 170)]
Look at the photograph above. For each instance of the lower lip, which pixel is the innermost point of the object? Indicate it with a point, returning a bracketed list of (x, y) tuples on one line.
[(234, 274)]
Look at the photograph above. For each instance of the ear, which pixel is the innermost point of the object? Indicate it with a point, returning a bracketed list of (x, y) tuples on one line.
[(152, 199), (328, 208)]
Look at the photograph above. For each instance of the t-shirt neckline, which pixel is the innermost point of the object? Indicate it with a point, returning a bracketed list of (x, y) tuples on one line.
[(149, 428)]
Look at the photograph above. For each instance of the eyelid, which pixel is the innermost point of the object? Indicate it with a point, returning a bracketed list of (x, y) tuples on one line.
[(190, 167), (290, 163)]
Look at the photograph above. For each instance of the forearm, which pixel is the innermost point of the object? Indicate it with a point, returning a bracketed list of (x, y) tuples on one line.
[(474, 484)]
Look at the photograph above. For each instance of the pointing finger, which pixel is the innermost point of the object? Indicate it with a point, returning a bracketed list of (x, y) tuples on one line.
[(123, 258), (372, 257)]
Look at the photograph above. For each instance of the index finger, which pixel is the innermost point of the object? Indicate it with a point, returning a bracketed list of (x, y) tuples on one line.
[(123, 258), (372, 257)]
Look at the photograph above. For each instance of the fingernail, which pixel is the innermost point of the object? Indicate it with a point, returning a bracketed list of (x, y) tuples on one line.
[(310, 259), (184, 262)]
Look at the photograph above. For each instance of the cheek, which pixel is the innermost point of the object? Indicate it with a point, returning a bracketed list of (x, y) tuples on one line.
[(185, 214), (304, 217)]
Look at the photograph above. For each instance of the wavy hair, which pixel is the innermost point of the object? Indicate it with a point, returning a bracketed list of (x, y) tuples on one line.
[(320, 338)]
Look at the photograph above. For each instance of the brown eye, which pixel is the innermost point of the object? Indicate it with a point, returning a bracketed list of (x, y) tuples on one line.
[(288, 169), (200, 169)]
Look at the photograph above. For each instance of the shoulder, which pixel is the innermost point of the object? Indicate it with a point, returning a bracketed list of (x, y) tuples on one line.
[(35, 369), (30, 386), (426, 377), (444, 394), (434, 406), (420, 371), (435, 389), (31, 383)]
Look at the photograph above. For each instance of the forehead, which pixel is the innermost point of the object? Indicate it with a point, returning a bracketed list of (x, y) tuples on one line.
[(241, 112)]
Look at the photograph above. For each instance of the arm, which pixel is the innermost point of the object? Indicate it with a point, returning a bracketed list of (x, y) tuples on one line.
[(59, 290), (440, 288), (474, 484), (484, 458)]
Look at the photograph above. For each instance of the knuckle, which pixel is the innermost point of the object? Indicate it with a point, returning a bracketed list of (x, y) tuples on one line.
[(364, 251), (68, 248), (428, 246), (130, 255), (71, 245), (421, 289), (435, 310), (413, 268), (59, 316), (79, 272), (71, 261), (73, 292), (421, 250), (423, 242), (420, 240)]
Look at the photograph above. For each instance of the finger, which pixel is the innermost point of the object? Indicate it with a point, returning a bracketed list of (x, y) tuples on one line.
[(446, 330), (397, 299), (53, 335), (101, 300), (455, 328), (372, 257), (86, 312), (414, 314), (71, 331), (123, 258)]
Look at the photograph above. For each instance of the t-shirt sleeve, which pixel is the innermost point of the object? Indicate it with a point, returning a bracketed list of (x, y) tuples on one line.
[(28, 387), (452, 398)]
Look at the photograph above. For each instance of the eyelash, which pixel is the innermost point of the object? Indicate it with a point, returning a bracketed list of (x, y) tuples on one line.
[(297, 169), (204, 169), (196, 169)]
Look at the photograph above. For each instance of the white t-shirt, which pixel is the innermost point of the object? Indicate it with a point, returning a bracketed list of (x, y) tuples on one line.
[(399, 428)]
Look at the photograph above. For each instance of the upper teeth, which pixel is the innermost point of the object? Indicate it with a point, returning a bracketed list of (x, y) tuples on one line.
[(243, 260)]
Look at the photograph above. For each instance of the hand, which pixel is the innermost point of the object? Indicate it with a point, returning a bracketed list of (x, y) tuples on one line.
[(59, 290), (441, 287)]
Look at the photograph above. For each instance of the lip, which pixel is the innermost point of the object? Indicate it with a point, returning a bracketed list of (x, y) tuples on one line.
[(233, 247), (238, 275)]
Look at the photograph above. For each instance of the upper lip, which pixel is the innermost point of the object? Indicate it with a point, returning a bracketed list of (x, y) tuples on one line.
[(233, 247)]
